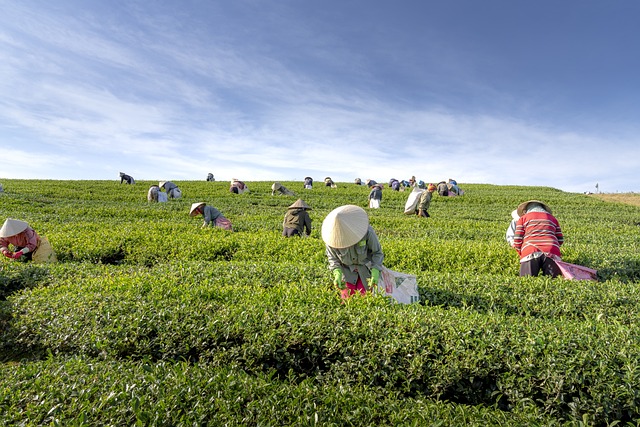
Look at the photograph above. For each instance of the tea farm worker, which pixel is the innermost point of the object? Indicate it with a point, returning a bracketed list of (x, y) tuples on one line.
[(212, 216), (276, 187), (297, 221), (537, 239), (126, 178), (173, 192), (238, 187), (27, 244), (443, 189), (394, 184), (155, 195), (511, 231), (210, 177), (328, 182), (353, 250), (422, 207), (308, 182), (375, 196)]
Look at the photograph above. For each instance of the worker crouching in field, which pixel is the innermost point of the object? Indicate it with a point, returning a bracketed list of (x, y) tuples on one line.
[(173, 192), (126, 178), (537, 239), (155, 195), (212, 216), (238, 187), (353, 250), (297, 221), (27, 244), (375, 196), (276, 187)]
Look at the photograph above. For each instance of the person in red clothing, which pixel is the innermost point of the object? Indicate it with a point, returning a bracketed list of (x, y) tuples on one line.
[(537, 239)]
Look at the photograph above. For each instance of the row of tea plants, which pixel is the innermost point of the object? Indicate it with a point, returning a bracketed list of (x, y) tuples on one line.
[(150, 320)]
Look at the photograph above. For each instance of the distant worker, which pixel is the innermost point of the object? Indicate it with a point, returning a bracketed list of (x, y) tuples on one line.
[(537, 239), (442, 188), (173, 192), (412, 181), (238, 187), (210, 177), (212, 216), (126, 178), (394, 184), (276, 187), (370, 183), (511, 230), (358, 181), (422, 209), (27, 245), (375, 196), (452, 185), (297, 221), (308, 183), (353, 250), (328, 182), (155, 195)]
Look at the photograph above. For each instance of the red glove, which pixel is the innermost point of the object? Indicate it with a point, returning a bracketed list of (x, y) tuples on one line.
[(17, 255), (7, 253)]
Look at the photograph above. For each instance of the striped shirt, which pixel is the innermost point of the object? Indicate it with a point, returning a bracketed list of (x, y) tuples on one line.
[(537, 232)]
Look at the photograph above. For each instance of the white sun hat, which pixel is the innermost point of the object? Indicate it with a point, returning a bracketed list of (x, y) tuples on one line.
[(345, 226), (11, 227), (195, 206)]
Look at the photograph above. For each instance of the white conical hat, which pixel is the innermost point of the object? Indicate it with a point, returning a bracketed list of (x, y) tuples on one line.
[(161, 183), (195, 206), (276, 186), (345, 226), (11, 227)]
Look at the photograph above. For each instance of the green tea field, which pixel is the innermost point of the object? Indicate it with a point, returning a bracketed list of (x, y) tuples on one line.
[(149, 320)]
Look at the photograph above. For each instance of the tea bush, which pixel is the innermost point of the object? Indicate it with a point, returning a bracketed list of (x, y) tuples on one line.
[(149, 319)]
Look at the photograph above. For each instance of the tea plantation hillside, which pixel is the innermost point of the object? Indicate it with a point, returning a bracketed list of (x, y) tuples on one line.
[(149, 320)]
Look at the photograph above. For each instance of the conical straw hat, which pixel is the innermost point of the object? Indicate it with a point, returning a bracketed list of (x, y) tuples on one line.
[(195, 206), (276, 186), (161, 183), (299, 204), (523, 206), (11, 227), (345, 226)]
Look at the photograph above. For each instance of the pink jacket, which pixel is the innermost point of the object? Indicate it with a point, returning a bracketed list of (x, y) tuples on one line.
[(28, 238)]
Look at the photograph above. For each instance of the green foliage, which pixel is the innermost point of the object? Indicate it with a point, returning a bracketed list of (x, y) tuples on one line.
[(150, 320)]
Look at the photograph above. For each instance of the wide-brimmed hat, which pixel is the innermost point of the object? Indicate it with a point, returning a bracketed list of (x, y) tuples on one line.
[(195, 206), (11, 227), (299, 204), (345, 226), (523, 206), (276, 186)]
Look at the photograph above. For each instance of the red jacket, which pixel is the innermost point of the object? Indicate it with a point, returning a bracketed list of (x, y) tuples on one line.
[(537, 232)]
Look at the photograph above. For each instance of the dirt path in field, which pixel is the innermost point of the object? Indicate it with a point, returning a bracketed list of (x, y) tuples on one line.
[(628, 198)]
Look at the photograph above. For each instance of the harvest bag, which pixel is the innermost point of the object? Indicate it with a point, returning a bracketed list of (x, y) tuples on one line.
[(374, 203), (44, 252), (402, 287), (576, 272), (412, 201)]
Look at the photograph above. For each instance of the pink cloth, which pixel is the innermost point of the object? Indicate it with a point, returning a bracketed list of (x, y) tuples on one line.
[(223, 223), (353, 289)]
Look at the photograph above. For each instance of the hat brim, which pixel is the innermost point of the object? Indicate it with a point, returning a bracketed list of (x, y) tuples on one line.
[(11, 227), (345, 226), (195, 206), (299, 204), (523, 206)]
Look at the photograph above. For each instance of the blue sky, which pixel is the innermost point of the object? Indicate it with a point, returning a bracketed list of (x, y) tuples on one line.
[(501, 92)]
